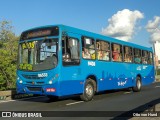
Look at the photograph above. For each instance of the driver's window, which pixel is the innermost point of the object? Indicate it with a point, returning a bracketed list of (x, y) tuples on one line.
[(70, 51)]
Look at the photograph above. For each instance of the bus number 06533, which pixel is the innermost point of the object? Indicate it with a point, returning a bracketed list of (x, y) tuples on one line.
[(43, 75)]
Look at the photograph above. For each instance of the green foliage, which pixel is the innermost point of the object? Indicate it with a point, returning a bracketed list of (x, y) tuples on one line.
[(158, 72), (8, 56), (5, 30)]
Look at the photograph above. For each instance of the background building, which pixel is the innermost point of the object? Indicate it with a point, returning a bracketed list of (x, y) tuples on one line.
[(157, 53)]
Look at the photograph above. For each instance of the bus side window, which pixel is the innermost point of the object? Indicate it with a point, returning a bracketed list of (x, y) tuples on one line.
[(127, 54), (70, 51), (65, 50), (150, 58), (144, 57), (74, 48), (117, 52), (103, 50), (137, 55), (88, 48)]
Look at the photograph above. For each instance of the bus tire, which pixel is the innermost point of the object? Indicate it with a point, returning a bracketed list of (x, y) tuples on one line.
[(138, 86), (53, 98), (89, 91)]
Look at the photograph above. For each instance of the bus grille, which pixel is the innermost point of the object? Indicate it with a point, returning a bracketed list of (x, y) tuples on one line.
[(34, 88), (37, 83), (32, 77)]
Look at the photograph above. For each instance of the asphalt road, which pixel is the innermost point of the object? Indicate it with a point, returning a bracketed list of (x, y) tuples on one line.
[(107, 105)]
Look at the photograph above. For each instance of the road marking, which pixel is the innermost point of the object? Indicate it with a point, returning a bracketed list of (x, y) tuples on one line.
[(74, 103), (7, 101), (127, 92), (157, 86)]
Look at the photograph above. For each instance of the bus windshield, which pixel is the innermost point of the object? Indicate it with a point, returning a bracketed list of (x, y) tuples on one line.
[(38, 55)]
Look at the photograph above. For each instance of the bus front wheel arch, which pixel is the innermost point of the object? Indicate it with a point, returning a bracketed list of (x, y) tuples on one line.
[(89, 90)]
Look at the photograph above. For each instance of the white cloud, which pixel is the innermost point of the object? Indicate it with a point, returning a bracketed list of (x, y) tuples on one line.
[(153, 27), (122, 24)]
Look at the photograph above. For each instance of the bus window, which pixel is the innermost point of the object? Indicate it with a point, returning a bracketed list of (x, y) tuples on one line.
[(116, 52), (150, 59), (137, 56), (70, 51), (88, 48), (103, 50), (128, 54), (144, 57)]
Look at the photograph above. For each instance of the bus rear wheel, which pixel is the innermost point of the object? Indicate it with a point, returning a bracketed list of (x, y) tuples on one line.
[(138, 86), (88, 91)]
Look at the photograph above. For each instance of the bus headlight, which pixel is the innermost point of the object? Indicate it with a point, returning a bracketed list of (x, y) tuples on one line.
[(50, 82), (20, 81)]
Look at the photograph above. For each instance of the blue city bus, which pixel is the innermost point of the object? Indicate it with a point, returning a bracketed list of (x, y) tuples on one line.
[(59, 60)]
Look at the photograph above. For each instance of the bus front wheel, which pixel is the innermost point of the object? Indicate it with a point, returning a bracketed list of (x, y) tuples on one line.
[(53, 98), (138, 86), (88, 91)]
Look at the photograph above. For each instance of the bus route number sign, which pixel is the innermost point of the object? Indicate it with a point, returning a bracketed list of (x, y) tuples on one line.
[(29, 45)]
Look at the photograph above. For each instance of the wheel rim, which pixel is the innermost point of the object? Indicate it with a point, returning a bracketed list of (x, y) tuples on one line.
[(89, 90), (138, 85)]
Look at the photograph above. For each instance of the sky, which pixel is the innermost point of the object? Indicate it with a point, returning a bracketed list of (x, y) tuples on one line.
[(136, 21)]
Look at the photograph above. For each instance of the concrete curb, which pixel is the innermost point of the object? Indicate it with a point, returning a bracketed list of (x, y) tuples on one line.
[(7, 95), (11, 94), (7, 92)]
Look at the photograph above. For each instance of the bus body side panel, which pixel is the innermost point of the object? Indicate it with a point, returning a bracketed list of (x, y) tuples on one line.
[(111, 75), (150, 77), (146, 72), (71, 81), (117, 75)]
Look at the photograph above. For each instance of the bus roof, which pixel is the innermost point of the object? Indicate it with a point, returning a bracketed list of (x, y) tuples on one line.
[(93, 35)]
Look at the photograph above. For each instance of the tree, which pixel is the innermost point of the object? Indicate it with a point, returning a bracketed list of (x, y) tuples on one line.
[(5, 30), (8, 56)]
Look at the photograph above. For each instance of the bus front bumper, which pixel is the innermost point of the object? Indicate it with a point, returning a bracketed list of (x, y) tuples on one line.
[(37, 90)]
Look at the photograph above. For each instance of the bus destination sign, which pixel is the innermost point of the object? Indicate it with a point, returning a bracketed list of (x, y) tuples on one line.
[(40, 32)]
